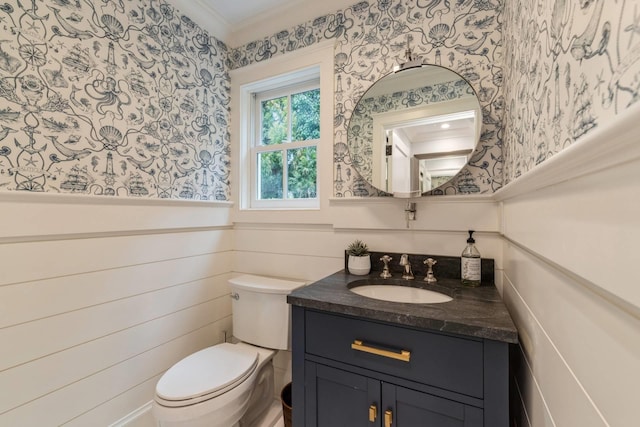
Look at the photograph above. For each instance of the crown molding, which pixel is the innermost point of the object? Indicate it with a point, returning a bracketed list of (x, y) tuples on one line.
[(284, 16), (205, 16)]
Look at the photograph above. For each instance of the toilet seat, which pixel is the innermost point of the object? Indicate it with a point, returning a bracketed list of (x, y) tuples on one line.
[(199, 377)]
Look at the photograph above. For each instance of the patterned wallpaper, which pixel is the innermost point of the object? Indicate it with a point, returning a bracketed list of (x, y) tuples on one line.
[(130, 98), (371, 36), (112, 97), (570, 67)]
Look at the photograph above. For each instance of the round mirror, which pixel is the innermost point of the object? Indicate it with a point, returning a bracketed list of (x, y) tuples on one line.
[(414, 130)]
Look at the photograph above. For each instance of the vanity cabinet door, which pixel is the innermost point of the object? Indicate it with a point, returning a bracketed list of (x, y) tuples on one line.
[(410, 408), (337, 398)]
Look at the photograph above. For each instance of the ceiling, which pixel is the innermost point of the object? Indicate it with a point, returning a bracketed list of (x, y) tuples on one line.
[(237, 22), (236, 12)]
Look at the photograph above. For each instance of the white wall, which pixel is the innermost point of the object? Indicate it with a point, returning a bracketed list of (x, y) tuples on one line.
[(571, 229), (99, 296)]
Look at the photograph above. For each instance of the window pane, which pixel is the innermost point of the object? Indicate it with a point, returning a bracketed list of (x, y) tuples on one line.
[(275, 121), (270, 170), (305, 111), (301, 173)]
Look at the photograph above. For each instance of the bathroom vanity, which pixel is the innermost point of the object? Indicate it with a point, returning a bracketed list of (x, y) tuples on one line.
[(359, 361)]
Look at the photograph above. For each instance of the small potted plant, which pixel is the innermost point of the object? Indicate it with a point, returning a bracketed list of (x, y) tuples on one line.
[(359, 259)]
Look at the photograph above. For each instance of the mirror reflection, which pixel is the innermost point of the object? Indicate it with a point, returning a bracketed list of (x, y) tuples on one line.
[(414, 130)]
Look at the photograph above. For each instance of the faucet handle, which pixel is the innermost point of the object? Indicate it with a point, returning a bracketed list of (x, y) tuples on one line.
[(430, 278), (385, 271)]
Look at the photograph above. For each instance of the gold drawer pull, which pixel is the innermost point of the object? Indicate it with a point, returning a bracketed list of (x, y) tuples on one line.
[(403, 355), (373, 413), (388, 418)]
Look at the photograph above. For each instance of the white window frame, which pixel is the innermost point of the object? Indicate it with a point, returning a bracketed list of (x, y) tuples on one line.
[(253, 93), (256, 148)]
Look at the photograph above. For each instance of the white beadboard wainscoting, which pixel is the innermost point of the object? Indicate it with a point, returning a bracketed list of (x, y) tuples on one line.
[(98, 297), (571, 228), (312, 251)]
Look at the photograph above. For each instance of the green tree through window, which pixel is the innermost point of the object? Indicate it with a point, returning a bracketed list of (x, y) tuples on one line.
[(290, 129)]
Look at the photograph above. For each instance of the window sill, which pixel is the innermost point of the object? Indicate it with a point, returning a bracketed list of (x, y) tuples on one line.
[(283, 208)]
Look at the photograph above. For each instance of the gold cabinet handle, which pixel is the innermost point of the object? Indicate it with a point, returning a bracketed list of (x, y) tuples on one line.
[(373, 413), (404, 355), (388, 418)]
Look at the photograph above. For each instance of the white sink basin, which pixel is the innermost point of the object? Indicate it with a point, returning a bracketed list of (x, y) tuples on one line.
[(397, 293)]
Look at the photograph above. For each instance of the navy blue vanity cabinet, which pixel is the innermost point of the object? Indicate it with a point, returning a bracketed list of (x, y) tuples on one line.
[(350, 372), (342, 398), (338, 398)]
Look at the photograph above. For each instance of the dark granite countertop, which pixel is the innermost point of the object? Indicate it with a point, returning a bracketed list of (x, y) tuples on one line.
[(476, 312)]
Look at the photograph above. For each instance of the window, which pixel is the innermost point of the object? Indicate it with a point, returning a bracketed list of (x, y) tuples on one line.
[(283, 142)]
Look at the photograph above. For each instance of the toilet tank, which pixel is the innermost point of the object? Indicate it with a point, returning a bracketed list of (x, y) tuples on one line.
[(261, 315)]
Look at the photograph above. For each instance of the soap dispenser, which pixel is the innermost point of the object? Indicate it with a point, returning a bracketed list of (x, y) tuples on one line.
[(470, 263)]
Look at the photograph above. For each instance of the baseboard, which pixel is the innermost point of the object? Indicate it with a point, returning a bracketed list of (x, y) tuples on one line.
[(141, 417)]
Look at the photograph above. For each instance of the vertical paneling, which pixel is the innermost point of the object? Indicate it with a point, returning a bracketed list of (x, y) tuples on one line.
[(90, 318)]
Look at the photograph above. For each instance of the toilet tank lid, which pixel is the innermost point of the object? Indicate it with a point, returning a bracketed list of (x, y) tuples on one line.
[(263, 284)]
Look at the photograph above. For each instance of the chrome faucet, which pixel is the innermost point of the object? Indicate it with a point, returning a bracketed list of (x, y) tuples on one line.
[(385, 271), (404, 261)]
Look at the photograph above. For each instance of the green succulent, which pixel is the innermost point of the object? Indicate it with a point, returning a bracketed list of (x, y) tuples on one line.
[(358, 248)]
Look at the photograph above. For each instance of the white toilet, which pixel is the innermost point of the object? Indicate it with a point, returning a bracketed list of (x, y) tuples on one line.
[(231, 385)]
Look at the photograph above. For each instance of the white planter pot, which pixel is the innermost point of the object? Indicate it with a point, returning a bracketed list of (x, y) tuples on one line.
[(359, 265)]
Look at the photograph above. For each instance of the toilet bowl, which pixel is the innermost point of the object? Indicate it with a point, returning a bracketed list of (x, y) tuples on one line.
[(229, 385), (196, 392)]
